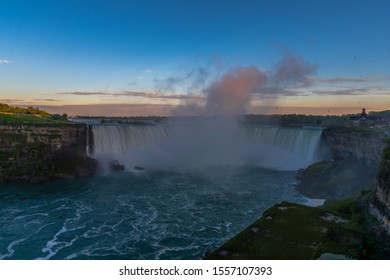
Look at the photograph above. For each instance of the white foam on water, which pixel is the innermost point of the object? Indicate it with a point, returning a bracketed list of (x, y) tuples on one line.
[(10, 248), (54, 245)]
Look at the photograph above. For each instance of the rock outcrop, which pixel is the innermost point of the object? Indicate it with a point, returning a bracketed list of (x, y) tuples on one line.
[(362, 144), (39, 153), (380, 204), (355, 158)]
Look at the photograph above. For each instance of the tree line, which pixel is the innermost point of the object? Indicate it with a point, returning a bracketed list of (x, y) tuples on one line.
[(5, 108)]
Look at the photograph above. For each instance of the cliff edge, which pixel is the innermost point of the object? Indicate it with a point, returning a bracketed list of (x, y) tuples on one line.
[(354, 143), (380, 204), (38, 153), (355, 153)]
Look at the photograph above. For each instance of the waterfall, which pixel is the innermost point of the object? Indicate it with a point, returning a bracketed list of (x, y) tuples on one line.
[(121, 139), (185, 144), (302, 142), (88, 142)]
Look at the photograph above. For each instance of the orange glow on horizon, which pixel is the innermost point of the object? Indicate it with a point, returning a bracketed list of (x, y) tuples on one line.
[(128, 110)]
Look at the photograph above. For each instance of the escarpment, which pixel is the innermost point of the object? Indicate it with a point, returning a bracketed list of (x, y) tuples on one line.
[(39, 153), (380, 204), (361, 144)]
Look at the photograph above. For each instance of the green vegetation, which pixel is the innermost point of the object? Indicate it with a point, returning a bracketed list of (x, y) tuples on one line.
[(17, 115), (5, 108), (292, 231), (20, 119)]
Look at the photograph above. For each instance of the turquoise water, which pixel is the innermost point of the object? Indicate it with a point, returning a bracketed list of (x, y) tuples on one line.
[(145, 215)]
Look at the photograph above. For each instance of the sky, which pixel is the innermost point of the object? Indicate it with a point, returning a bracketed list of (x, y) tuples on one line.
[(117, 57)]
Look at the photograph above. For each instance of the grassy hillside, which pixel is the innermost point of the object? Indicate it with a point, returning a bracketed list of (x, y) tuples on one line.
[(20, 118), (17, 115)]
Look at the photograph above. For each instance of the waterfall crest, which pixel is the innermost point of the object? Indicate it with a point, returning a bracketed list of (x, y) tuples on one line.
[(299, 141), (121, 139), (187, 145)]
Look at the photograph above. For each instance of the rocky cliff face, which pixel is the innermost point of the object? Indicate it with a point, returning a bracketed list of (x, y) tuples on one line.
[(380, 204), (365, 145), (356, 154), (37, 153), (53, 137)]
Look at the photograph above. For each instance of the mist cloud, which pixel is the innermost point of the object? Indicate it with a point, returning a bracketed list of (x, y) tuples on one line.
[(293, 70), (231, 93)]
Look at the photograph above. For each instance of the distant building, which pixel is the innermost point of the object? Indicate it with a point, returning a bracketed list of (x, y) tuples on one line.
[(363, 115), (366, 120)]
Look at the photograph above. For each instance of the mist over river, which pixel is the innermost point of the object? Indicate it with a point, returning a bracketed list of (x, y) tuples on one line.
[(170, 210)]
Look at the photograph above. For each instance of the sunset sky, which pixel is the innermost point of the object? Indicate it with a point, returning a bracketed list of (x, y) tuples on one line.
[(141, 57)]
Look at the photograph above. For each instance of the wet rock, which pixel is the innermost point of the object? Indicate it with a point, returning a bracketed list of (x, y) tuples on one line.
[(65, 176), (115, 166), (38, 179)]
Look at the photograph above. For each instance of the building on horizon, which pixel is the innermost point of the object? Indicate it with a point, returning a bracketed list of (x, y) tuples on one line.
[(366, 120)]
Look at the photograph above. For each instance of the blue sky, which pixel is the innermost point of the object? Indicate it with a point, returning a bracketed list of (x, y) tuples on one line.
[(68, 53)]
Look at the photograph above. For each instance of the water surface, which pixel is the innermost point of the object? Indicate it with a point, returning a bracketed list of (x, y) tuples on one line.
[(144, 215)]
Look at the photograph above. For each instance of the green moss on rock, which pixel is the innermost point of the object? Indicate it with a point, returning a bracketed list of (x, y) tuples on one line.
[(291, 231)]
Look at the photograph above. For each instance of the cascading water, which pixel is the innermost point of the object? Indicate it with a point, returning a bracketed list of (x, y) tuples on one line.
[(120, 139), (186, 144), (303, 142)]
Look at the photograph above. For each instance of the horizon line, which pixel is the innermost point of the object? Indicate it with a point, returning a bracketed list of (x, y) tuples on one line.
[(165, 110)]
